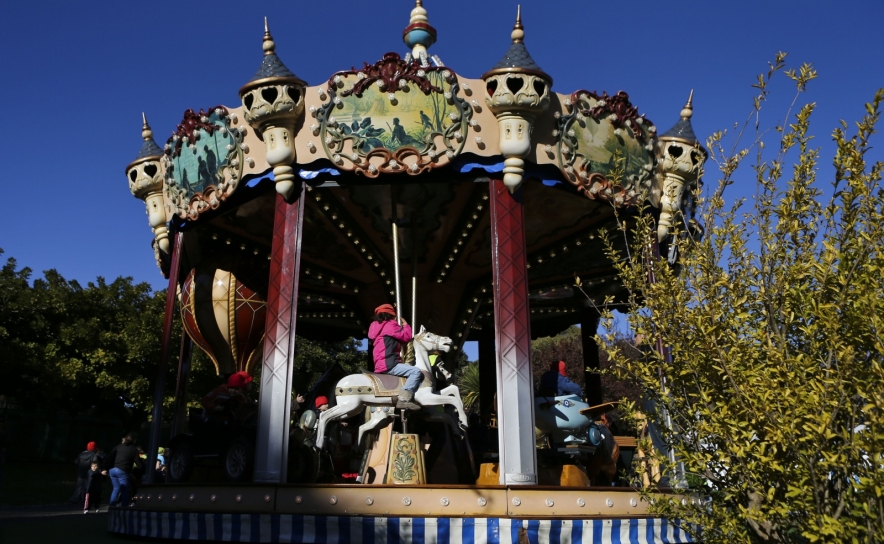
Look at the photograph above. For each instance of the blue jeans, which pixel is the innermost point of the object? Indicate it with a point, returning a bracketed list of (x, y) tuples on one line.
[(120, 481), (412, 373)]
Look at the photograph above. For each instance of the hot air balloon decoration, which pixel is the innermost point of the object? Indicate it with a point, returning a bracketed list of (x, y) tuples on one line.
[(224, 317)]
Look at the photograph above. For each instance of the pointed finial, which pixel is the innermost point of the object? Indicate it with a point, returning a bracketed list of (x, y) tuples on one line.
[(419, 35), (418, 14), (518, 33), (269, 46), (146, 132), (688, 109)]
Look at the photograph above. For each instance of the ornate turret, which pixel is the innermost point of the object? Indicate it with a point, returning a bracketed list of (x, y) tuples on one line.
[(518, 91), (145, 175), (274, 105), (419, 35), (680, 159)]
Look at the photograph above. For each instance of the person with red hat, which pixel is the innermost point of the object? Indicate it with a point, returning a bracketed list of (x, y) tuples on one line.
[(84, 464), (555, 381), (228, 398), (388, 336)]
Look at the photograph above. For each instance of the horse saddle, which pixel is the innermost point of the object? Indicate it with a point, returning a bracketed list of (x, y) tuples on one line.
[(387, 385)]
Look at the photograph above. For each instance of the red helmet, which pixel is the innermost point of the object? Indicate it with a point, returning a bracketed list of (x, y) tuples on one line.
[(240, 379), (320, 400)]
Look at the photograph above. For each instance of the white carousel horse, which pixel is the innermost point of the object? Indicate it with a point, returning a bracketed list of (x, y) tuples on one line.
[(356, 391)]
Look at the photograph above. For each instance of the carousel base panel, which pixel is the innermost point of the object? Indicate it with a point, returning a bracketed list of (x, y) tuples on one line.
[(235, 527)]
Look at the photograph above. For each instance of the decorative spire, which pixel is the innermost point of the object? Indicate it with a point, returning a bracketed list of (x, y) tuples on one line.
[(149, 148), (419, 35), (418, 14), (271, 66), (682, 130), (146, 132), (517, 59), (518, 33), (269, 45), (688, 109)]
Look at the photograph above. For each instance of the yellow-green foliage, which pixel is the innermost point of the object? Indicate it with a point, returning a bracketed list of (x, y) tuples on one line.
[(775, 321)]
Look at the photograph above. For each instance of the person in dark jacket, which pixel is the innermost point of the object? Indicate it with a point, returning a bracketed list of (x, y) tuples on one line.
[(555, 381), (93, 488), (118, 464), (83, 462)]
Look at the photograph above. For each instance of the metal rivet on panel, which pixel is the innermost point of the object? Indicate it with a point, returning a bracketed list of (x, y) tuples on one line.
[(213, 498), (369, 501), (239, 498), (445, 501), (549, 502), (333, 500), (266, 498), (175, 497), (298, 499), (148, 497), (192, 496), (633, 502), (159, 497), (609, 502), (406, 501), (581, 503), (516, 501), (684, 502), (482, 501)]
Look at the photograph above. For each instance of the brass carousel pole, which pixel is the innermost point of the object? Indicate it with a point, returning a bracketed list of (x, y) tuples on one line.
[(395, 226), (413, 271)]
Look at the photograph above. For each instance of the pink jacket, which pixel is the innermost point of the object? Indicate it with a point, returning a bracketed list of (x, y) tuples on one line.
[(387, 338)]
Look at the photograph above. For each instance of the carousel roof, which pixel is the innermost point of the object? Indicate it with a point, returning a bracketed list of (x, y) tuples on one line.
[(271, 65), (149, 148), (517, 57), (682, 130), (401, 140)]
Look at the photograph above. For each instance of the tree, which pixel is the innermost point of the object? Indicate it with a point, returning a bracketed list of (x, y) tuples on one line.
[(96, 349), (774, 326), (69, 348)]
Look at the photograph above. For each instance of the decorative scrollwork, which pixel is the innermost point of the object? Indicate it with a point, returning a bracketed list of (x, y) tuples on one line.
[(366, 127), (389, 71), (605, 148), (200, 177)]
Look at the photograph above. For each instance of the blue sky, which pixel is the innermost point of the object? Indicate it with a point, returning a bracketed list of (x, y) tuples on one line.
[(76, 77)]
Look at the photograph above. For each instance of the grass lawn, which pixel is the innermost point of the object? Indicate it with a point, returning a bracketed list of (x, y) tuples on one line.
[(30, 484), (76, 529)]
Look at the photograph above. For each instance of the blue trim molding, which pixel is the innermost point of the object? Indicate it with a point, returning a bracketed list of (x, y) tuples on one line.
[(289, 528)]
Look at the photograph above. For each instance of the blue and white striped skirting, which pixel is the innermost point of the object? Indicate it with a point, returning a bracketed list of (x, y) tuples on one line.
[(352, 530)]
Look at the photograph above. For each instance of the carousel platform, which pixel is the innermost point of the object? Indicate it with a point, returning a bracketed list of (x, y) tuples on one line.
[(331, 513)]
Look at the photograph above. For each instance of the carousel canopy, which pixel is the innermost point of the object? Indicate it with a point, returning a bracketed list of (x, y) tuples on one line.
[(407, 140)]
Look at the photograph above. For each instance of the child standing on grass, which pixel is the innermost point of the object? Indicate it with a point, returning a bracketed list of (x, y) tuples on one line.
[(93, 488)]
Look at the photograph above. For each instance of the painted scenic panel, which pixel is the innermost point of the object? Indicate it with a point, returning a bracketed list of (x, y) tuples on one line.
[(194, 169), (600, 143), (412, 119)]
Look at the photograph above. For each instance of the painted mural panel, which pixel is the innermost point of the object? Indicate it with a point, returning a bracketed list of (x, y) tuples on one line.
[(203, 162), (605, 148), (393, 116)]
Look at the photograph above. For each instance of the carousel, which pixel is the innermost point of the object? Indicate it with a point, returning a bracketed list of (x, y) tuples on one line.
[(469, 206)]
